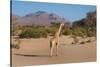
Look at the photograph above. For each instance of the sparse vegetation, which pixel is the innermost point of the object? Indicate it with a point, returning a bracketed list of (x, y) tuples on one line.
[(88, 24), (79, 31), (84, 27), (67, 31), (33, 33)]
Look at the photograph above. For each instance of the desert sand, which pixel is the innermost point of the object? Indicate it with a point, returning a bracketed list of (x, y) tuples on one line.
[(36, 52)]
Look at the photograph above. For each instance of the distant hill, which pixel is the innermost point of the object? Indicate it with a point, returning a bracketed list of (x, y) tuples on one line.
[(14, 17), (38, 18), (88, 21)]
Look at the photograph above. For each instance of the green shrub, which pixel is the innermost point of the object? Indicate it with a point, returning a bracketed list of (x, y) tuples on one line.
[(42, 32), (79, 31), (33, 33), (67, 31), (51, 30), (55, 24)]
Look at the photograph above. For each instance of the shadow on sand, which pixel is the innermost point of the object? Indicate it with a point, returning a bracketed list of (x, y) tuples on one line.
[(26, 55)]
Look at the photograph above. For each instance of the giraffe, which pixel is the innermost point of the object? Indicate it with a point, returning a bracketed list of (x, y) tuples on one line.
[(55, 40)]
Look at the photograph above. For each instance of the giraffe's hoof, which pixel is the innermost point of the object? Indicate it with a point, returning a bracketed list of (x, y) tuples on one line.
[(50, 56), (56, 54)]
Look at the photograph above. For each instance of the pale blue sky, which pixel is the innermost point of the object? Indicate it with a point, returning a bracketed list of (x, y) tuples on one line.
[(70, 12)]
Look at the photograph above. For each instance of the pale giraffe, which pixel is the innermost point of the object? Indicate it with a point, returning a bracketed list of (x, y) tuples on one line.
[(55, 40)]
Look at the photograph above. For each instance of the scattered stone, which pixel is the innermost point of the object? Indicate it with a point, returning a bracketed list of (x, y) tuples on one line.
[(82, 42), (88, 41)]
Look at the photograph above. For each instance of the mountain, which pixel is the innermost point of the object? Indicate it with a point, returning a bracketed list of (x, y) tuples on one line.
[(39, 18), (88, 21), (14, 17)]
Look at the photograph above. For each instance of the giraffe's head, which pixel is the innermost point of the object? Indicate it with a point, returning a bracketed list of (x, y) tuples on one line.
[(62, 24)]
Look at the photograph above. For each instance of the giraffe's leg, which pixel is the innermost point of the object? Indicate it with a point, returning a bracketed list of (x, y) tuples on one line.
[(51, 51), (51, 48), (56, 49), (57, 45)]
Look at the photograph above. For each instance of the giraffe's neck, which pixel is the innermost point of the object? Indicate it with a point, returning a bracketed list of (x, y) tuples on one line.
[(59, 31)]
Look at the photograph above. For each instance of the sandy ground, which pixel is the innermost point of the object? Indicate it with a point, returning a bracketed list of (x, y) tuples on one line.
[(36, 52)]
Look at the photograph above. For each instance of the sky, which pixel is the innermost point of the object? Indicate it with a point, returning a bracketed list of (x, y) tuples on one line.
[(71, 12)]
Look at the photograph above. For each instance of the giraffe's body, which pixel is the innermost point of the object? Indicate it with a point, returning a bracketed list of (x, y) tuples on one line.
[(55, 40)]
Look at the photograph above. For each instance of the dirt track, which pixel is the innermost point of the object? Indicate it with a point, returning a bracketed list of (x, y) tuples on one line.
[(36, 52)]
